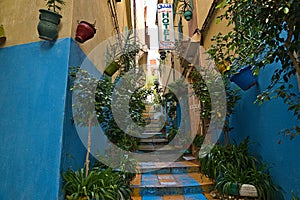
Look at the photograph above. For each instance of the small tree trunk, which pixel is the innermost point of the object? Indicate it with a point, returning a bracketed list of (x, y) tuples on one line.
[(87, 159), (297, 72)]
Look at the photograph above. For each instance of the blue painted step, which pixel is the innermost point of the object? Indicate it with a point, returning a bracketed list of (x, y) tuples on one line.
[(199, 196), (168, 168), (167, 184)]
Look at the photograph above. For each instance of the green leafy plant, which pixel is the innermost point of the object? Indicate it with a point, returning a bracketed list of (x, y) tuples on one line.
[(294, 196), (55, 5), (101, 183), (233, 165), (103, 101), (123, 51), (263, 32), (83, 104), (200, 87), (198, 140), (201, 91), (256, 174)]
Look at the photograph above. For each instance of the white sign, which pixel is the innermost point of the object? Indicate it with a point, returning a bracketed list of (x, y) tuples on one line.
[(165, 26)]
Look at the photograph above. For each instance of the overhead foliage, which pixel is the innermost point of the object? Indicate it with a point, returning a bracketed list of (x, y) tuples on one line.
[(263, 32)]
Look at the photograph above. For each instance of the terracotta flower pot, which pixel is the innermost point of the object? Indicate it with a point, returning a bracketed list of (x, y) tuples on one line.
[(84, 31)]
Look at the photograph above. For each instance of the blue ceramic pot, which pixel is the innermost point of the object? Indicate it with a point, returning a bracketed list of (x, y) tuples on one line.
[(244, 78)]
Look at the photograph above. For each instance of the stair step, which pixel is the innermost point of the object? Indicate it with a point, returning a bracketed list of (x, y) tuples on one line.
[(154, 133), (170, 181), (167, 149), (158, 156), (168, 167), (149, 147), (198, 196), (166, 184), (154, 140)]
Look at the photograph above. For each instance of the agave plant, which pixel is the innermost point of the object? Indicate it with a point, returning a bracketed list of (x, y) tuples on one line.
[(55, 5)]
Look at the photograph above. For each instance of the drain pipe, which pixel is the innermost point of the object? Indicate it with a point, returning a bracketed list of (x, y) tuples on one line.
[(113, 12), (208, 18)]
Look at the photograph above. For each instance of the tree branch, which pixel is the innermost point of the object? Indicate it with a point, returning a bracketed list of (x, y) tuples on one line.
[(290, 53)]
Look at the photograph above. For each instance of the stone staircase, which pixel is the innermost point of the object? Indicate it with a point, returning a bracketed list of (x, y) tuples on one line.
[(159, 176), (162, 179), (170, 180)]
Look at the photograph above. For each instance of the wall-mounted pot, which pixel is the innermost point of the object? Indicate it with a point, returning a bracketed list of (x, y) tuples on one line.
[(244, 78), (2, 34), (48, 24), (188, 15), (112, 68), (84, 31)]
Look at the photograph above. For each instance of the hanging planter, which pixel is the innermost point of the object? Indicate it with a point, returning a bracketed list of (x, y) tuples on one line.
[(50, 19), (111, 68), (188, 15), (2, 34), (244, 78), (48, 25), (85, 31), (186, 9)]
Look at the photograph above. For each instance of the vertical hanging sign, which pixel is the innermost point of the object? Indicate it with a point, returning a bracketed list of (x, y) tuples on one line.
[(165, 26)]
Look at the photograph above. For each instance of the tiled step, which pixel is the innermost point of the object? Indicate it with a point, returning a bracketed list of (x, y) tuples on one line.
[(168, 167), (199, 196), (170, 181), (166, 184), (149, 134)]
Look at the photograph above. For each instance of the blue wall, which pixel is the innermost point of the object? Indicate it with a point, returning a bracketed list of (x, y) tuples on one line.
[(35, 114), (262, 124)]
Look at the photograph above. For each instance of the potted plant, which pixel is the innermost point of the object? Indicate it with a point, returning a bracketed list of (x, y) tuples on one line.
[(50, 19), (244, 78), (186, 9), (237, 172), (111, 68), (121, 55), (2, 34), (85, 31)]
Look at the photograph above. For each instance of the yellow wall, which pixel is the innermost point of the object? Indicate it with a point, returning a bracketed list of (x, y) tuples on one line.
[(214, 29), (20, 20), (98, 11), (203, 7)]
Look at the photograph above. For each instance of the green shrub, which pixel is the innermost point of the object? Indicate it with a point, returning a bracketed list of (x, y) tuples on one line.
[(234, 165), (99, 184)]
